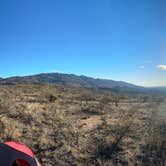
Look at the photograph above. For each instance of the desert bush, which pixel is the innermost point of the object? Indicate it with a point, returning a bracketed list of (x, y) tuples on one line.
[(115, 99), (106, 98), (51, 97), (155, 149), (48, 93), (106, 142), (86, 95), (10, 129)]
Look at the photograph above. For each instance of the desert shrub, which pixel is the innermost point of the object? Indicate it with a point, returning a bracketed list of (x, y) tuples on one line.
[(48, 93), (58, 140), (106, 98), (9, 129), (51, 97), (116, 99), (159, 99), (2, 127), (155, 149), (86, 95), (106, 142)]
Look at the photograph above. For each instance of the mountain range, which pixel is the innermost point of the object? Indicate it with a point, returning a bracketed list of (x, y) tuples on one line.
[(72, 80)]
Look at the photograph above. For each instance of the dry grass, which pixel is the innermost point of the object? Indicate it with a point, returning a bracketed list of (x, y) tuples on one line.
[(66, 126)]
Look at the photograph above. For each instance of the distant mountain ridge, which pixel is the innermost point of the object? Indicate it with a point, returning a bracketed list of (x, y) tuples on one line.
[(66, 80), (72, 80)]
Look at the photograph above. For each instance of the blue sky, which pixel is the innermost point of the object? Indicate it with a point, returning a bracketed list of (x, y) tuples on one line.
[(113, 39)]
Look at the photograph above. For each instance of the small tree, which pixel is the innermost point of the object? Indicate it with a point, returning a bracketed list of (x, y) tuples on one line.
[(87, 96)]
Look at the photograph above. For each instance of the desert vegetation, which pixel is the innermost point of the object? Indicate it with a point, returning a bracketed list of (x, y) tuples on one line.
[(80, 126)]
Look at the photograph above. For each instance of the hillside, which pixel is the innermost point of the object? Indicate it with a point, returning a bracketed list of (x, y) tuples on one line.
[(76, 81), (161, 89), (71, 80)]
